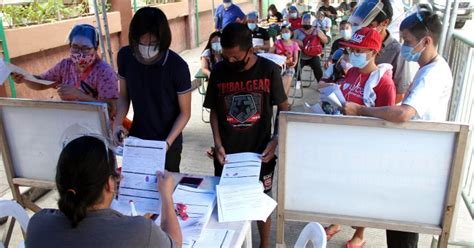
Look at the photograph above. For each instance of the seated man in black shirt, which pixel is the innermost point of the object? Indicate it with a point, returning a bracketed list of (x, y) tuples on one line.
[(241, 94), (260, 37), (330, 11)]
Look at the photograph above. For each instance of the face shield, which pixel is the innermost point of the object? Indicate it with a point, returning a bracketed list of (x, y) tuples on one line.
[(365, 12)]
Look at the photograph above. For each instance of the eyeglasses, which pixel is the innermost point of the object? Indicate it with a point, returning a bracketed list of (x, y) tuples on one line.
[(81, 49)]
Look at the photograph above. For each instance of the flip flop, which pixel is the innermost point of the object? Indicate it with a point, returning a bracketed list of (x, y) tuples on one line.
[(348, 245), (330, 235)]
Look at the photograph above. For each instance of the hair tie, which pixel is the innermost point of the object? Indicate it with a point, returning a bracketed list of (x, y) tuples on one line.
[(72, 191)]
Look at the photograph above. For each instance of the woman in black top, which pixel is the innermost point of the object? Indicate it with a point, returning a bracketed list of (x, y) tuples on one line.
[(157, 82), (273, 14)]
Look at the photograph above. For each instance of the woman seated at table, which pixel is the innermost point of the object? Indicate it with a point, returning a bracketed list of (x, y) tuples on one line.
[(83, 76), (86, 179), (212, 53)]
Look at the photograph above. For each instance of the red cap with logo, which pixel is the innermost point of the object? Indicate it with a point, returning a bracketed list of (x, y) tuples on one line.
[(365, 38)]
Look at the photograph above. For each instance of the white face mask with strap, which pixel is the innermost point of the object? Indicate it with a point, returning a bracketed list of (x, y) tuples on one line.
[(148, 52)]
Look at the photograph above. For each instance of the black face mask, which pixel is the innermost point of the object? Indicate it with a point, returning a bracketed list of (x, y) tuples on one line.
[(306, 26), (238, 65)]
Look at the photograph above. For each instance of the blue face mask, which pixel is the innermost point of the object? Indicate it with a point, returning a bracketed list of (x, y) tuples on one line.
[(358, 60), (286, 36), (251, 26), (408, 55), (216, 46)]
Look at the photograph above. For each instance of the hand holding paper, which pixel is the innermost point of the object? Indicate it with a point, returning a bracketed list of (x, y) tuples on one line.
[(26, 75)]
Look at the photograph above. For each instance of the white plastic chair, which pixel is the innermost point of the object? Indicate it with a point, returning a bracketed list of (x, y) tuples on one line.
[(13, 209), (312, 231)]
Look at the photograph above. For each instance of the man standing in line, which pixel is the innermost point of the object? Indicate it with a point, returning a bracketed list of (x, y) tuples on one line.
[(227, 13)]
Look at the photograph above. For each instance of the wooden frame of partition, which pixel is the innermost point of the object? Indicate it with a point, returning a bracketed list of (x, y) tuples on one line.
[(14, 181), (453, 184)]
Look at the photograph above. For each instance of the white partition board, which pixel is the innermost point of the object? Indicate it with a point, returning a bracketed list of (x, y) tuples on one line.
[(371, 172), (37, 134)]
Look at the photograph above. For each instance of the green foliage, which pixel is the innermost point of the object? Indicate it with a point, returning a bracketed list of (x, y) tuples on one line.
[(44, 11)]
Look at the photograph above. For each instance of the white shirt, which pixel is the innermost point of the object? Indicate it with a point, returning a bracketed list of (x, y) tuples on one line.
[(324, 24), (430, 91)]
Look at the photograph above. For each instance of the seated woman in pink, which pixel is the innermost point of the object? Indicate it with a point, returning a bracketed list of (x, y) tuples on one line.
[(290, 49), (83, 76)]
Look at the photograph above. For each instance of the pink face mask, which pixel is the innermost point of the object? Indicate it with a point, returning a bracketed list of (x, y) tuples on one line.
[(83, 60)]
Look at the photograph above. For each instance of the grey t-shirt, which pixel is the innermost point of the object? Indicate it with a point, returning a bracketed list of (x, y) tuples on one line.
[(390, 54), (101, 228), (301, 35)]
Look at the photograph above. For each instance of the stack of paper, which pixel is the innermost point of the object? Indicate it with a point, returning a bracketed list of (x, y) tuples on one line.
[(243, 202), (333, 95), (200, 204), (141, 160), (240, 194), (275, 58), (241, 168)]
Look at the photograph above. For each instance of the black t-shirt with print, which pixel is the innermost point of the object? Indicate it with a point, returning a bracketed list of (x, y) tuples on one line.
[(244, 103)]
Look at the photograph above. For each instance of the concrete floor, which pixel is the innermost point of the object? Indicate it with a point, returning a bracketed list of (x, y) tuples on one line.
[(198, 137)]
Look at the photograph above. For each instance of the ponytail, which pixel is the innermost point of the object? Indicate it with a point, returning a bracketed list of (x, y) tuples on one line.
[(74, 210), (83, 171)]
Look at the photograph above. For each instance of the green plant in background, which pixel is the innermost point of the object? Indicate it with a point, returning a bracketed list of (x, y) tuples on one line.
[(45, 11)]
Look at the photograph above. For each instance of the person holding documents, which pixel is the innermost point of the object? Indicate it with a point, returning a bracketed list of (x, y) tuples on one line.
[(241, 93), (86, 179), (260, 37), (83, 76), (157, 82), (365, 84), (428, 96)]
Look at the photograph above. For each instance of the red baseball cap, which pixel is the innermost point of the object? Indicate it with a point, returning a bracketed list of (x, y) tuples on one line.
[(366, 38)]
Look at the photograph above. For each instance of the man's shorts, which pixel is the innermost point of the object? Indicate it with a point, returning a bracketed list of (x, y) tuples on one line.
[(266, 173), (288, 72)]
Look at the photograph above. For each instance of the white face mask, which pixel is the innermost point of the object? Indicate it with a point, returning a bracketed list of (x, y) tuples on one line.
[(227, 5), (346, 34), (148, 52)]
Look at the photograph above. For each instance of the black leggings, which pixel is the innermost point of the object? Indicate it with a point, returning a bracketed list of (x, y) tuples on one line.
[(315, 64), (173, 158)]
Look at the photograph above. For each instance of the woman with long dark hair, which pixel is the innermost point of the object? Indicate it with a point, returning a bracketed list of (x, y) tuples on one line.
[(86, 179), (212, 53)]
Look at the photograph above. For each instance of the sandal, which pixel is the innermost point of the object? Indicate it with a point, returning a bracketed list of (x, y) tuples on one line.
[(330, 235), (348, 245)]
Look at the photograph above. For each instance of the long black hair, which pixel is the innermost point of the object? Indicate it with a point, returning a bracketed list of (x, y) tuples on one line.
[(150, 20), (209, 45), (84, 168)]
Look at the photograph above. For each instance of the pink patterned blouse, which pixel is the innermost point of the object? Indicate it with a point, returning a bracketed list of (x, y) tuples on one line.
[(102, 82)]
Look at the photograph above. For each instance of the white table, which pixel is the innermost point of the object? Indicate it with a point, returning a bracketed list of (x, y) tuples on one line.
[(243, 229)]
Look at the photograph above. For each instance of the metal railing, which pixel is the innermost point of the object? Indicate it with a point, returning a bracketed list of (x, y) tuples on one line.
[(461, 60)]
